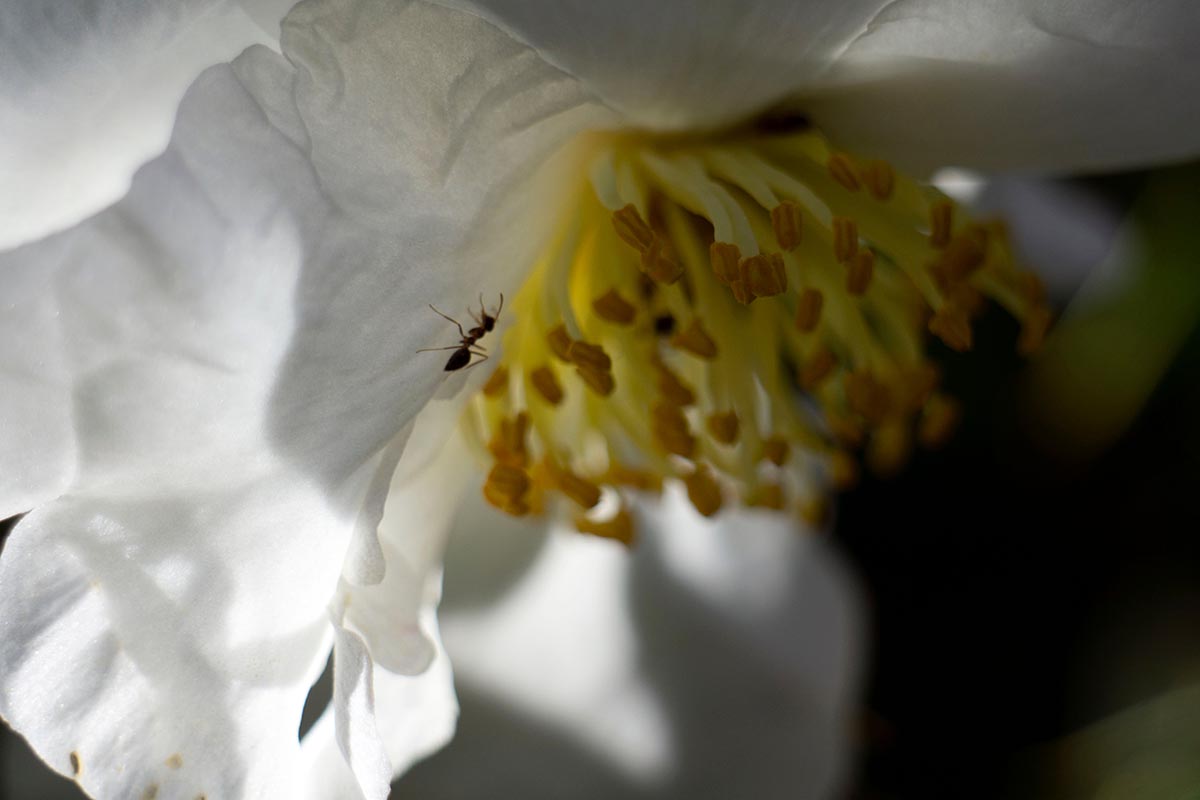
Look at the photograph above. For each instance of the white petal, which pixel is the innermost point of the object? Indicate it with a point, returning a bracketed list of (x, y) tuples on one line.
[(715, 660), (678, 64), (90, 91), (414, 715), (1060, 85)]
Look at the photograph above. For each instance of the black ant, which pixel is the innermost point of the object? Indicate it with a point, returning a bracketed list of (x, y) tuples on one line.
[(484, 323)]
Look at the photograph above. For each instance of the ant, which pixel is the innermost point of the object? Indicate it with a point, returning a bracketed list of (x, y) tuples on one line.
[(484, 323)]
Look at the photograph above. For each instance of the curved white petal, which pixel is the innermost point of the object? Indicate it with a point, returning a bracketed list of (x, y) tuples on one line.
[(1059, 85), (717, 659), (677, 64), (90, 91)]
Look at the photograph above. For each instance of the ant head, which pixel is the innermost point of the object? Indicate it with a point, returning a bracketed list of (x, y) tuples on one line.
[(489, 320)]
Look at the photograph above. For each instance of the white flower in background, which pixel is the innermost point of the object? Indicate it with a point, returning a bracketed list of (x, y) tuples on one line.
[(208, 386)]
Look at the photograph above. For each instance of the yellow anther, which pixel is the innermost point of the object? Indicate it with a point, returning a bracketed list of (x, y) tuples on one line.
[(670, 429), (581, 490), (546, 383), (845, 238), (966, 298), (695, 340), (859, 271), (741, 292), (1033, 331), (1031, 288), (845, 428), (658, 263), (786, 221), (808, 310), (599, 381), (704, 491), (497, 384), (632, 229), (941, 222), (879, 178), (507, 444), (843, 470), (674, 389), (939, 421), (842, 170), (767, 495), (889, 449), (817, 368), (962, 255), (506, 488), (724, 258), (591, 356), (814, 511), (560, 342), (612, 307), (644, 480), (723, 426), (619, 527), (952, 326), (763, 275), (776, 450), (867, 397), (917, 385)]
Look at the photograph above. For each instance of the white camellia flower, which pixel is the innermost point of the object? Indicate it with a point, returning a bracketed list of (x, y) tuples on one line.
[(712, 273)]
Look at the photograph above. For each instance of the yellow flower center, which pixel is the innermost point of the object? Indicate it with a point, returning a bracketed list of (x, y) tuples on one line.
[(742, 314)]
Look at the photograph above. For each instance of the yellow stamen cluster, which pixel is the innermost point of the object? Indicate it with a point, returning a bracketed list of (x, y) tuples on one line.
[(740, 314)]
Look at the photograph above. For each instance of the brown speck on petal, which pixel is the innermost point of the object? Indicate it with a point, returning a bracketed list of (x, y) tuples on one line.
[(151, 792), (175, 761), (76, 764)]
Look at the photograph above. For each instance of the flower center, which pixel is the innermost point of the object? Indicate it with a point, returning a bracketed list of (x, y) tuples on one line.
[(741, 314)]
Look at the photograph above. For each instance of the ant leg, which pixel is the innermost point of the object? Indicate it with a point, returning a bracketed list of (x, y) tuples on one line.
[(439, 349), (461, 332), (501, 308), (483, 358)]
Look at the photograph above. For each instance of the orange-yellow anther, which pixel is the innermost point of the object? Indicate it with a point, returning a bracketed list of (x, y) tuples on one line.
[(506, 488), (599, 381), (497, 384), (507, 444), (590, 356), (632, 229), (879, 178), (939, 420), (1031, 288), (547, 385), (917, 385), (767, 495), (776, 450), (817, 368), (619, 527), (621, 475), (941, 222), (741, 292), (845, 238), (612, 307), (725, 258), (845, 428), (670, 429), (808, 310), (842, 170), (843, 470), (695, 340), (674, 389), (763, 275), (965, 297), (962, 255), (1033, 331), (859, 271), (890, 447), (704, 491), (658, 263), (581, 490), (867, 397), (560, 342), (786, 221), (814, 511), (952, 326), (723, 426)]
